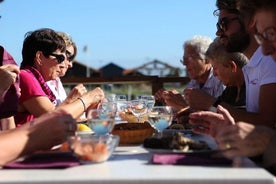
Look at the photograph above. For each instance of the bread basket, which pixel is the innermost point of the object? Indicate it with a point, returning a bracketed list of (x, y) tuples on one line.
[(133, 133)]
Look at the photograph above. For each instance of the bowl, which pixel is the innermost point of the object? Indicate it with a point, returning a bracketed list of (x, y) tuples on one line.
[(91, 148), (133, 133)]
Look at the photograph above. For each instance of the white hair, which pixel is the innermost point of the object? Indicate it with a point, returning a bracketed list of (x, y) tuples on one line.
[(199, 43)]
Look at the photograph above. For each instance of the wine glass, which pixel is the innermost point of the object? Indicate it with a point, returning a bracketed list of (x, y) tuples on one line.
[(101, 121), (138, 108), (150, 100), (160, 117), (121, 102), (108, 106)]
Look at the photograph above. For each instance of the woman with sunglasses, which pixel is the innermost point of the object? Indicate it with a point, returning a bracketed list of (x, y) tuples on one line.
[(56, 85), (44, 57)]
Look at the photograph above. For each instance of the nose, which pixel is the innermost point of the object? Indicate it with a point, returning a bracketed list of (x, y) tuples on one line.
[(70, 64), (219, 32)]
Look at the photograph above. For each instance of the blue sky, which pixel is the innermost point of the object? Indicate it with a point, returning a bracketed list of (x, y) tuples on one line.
[(126, 32)]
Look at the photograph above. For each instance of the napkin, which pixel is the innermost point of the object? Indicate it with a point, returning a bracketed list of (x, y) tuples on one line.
[(56, 160), (189, 159)]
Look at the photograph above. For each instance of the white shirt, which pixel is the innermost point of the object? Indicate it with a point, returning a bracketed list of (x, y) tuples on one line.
[(58, 90), (213, 86), (260, 70)]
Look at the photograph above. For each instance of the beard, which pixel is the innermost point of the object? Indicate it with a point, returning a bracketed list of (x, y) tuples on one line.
[(238, 42)]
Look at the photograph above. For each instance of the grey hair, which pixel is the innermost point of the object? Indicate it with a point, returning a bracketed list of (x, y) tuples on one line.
[(200, 44), (218, 52)]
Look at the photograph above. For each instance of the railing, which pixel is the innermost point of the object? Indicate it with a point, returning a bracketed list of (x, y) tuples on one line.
[(156, 82)]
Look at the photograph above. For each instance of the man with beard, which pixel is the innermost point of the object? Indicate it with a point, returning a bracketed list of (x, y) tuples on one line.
[(236, 28)]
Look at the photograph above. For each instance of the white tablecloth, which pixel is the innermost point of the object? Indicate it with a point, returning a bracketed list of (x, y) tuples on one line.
[(131, 165)]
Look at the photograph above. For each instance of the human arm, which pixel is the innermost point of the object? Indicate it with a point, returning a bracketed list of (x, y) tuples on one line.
[(7, 123), (8, 75), (207, 122), (267, 111), (47, 131), (198, 99), (34, 100), (175, 99)]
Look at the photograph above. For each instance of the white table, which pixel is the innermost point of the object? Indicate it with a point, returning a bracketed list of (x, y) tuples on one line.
[(130, 165)]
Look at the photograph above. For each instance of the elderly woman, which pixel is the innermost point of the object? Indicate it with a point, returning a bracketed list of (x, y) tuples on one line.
[(44, 53), (56, 85), (228, 68)]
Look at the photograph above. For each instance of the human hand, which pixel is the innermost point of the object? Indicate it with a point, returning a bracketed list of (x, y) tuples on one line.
[(50, 129), (198, 99), (243, 139), (8, 76), (207, 122), (75, 93), (175, 99), (96, 96), (159, 95)]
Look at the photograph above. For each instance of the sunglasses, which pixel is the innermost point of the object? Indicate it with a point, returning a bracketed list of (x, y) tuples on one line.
[(269, 34), (223, 23), (69, 55), (59, 57)]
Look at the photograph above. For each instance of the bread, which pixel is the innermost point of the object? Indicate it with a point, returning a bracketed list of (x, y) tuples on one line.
[(129, 117)]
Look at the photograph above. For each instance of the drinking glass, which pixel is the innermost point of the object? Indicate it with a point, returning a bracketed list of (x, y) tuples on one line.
[(121, 102), (160, 117), (108, 106), (101, 121), (150, 100), (138, 108)]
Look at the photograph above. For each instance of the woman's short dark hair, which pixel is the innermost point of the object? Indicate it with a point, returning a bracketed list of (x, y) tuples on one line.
[(45, 40)]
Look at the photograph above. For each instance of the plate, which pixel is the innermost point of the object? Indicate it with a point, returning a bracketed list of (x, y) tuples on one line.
[(169, 151), (189, 134)]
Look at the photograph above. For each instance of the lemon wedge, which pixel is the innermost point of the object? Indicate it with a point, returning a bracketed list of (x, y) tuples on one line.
[(83, 127)]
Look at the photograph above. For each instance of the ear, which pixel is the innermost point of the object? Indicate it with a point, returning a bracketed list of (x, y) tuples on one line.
[(233, 66), (38, 60)]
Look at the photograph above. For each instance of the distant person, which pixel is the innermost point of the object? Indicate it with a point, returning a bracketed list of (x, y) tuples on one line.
[(44, 53)]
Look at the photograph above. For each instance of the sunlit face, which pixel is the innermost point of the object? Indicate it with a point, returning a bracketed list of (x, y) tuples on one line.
[(222, 72), (266, 20), (50, 68), (68, 64), (195, 66), (233, 36)]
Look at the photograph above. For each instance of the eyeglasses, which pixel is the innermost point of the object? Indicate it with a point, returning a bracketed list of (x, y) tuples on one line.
[(60, 58), (269, 34), (223, 23), (69, 56)]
